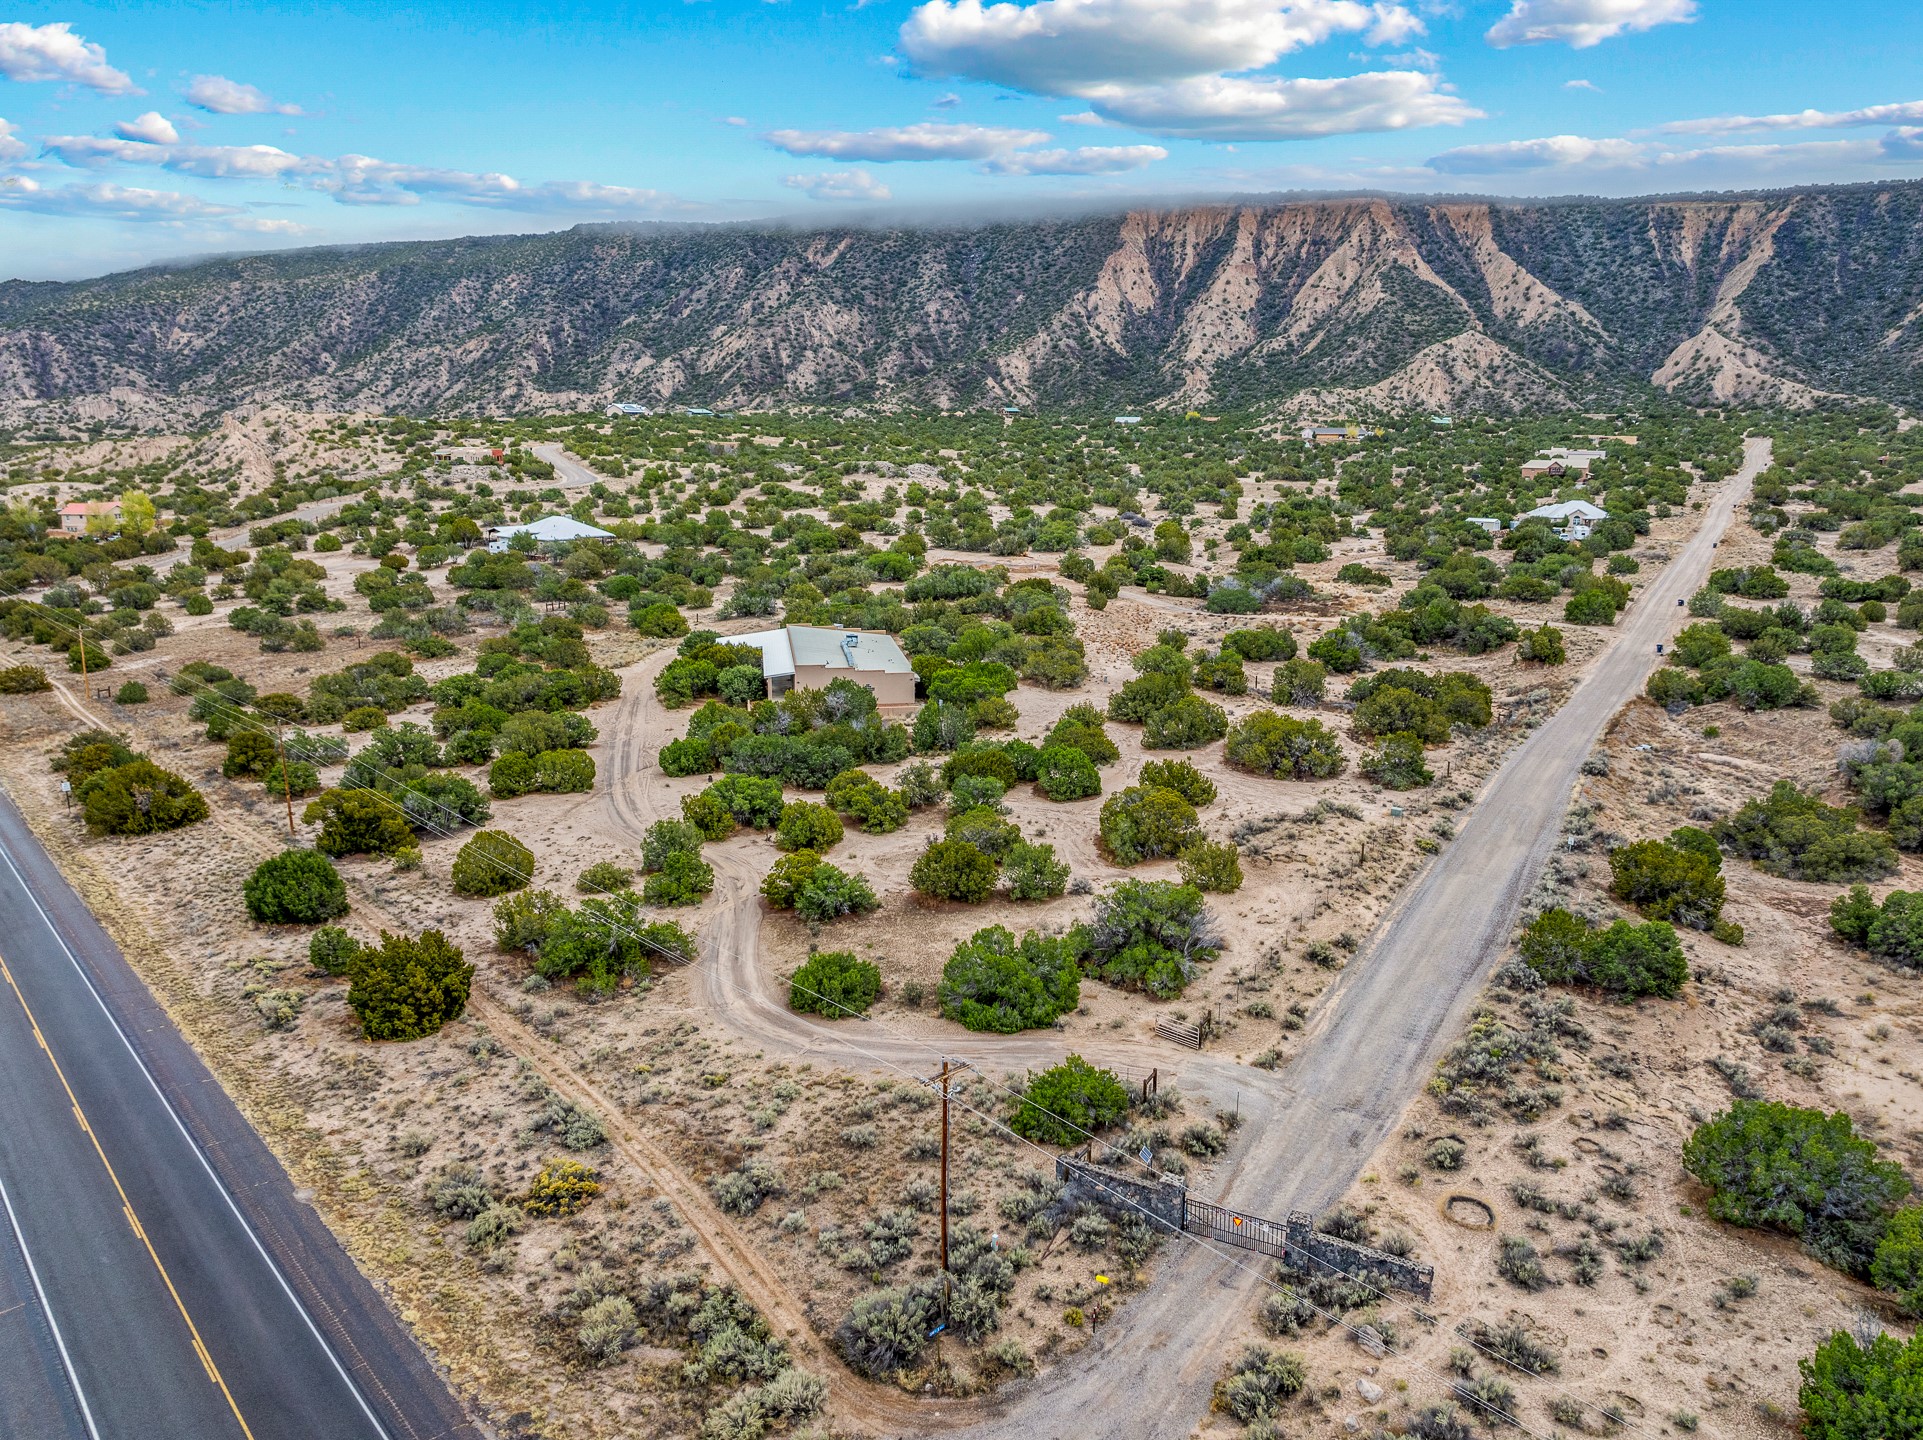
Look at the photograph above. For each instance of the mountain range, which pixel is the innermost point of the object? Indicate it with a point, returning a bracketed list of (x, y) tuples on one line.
[(1781, 297)]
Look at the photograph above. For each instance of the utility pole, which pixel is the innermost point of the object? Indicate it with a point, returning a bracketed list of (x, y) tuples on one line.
[(286, 781), (949, 1069)]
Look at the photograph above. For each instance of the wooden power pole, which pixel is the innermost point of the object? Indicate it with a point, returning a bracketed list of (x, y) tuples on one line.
[(286, 782), (949, 1069)]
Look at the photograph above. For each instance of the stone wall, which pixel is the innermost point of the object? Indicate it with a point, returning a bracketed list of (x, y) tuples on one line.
[(1318, 1250), (1163, 1203)]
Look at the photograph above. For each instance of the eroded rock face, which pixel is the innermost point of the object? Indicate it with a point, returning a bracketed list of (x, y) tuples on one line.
[(1403, 304)]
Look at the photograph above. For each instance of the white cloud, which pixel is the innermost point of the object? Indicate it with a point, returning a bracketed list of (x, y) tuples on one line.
[(1552, 152), (1068, 47), (54, 52), (1589, 85), (925, 141), (230, 97), (1221, 107), (1902, 113), (153, 128), (735, 120), (1582, 23), (261, 225), (1085, 160), (111, 202), (1082, 117), (10, 146), (838, 185), (363, 179), (1905, 143)]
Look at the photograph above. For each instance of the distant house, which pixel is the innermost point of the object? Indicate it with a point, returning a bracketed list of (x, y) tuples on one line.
[(1011, 409), (1486, 522), (1557, 461), (1333, 434), (468, 454), (1442, 420), (548, 530), (695, 410), (75, 515), (1554, 469), (1571, 519), (810, 657), (618, 410), (1128, 419)]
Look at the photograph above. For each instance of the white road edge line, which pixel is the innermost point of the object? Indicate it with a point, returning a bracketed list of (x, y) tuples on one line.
[(46, 1308), (205, 1164)]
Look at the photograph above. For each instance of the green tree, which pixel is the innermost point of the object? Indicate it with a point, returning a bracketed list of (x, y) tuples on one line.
[(1778, 1167), (1147, 823), (1066, 773), (1898, 1263), (953, 870), (138, 798), (682, 880), (1181, 777), (836, 984), (1068, 1103), (805, 825), (408, 987), (1853, 1392), (331, 950), (994, 982), (1149, 935), (491, 863), (249, 753), (1267, 743), (665, 838), (1668, 882), (295, 887), (1797, 836), (1032, 872), (1214, 866), (357, 822), (1397, 763)]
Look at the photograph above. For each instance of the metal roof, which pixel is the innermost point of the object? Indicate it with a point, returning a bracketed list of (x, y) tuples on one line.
[(783, 650)]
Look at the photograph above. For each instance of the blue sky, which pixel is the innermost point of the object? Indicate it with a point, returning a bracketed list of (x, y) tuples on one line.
[(145, 131)]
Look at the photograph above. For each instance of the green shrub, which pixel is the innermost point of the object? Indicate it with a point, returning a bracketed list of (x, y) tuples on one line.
[(364, 717), (1898, 1264), (994, 982), (1591, 607), (1066, 773), (332, 950), (1149, 935), (1624, 960), (834, 983), (668, 837), (1184, 724), (357, 822), (23, 680), (753, 800), (1032, 872), (604, 876), (683, 879), (1779, 1167), (1267, 743), (1666, 881), (1397, 763), (886, 1331), (1798, 837), (804, 825), (1300, 682), (408, 987), (249, 753), (560, 1188), (491, 863), (138, 798), (708, 816), (295, 887), (1147, 823), (1081, 727), (1260, 642), (97, 658), (1068, 1103), (1214, 866), (1181, 777), (1544, 646), (953, 870), (1863, 1392), (1258, 1383), (1893, 932)]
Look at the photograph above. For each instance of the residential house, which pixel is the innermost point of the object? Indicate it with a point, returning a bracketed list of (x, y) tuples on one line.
[(1486, 522), (616, 411), (810, 657), (1571, 519), (75, 515), (548, 530)]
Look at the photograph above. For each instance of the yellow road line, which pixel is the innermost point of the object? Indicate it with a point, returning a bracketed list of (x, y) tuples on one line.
[(126, 1205)]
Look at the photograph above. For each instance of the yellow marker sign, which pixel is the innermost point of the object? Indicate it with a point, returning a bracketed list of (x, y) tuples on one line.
[(1101, 1279)]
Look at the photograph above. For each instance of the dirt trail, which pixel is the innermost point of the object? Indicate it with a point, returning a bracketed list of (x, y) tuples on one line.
[(1371, 1044)]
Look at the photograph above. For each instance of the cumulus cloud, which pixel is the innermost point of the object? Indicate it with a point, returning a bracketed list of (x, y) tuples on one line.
[(111, 202), (1552, 152), (11, 148), (215, 162), (1085, 160), (1582, 23), (54, 52), (1223, 107), (1589, 85), (925, 141), (1066, 47), (1903, 113), (230, 97), (262, 225), (153, 128), (843, 185)]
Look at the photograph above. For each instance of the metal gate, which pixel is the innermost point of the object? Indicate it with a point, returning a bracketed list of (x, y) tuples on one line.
[(1232, 1227)]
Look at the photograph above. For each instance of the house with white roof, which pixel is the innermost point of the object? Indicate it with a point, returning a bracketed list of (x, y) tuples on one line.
[(548, 530), (810, 657), (1571, 519)]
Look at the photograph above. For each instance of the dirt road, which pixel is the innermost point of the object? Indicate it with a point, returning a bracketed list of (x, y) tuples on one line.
[(1371, 1045)]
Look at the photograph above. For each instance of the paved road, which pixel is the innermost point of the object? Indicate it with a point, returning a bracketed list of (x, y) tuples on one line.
[(158, 1276)]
